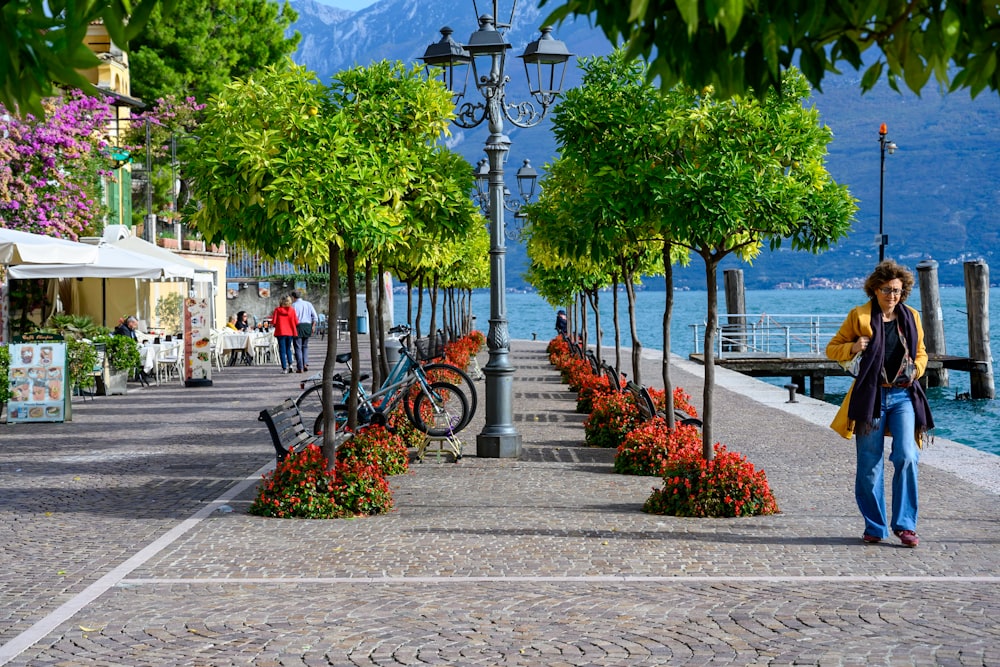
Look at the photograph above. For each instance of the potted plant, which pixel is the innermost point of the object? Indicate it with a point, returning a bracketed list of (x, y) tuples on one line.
[(121, 357)]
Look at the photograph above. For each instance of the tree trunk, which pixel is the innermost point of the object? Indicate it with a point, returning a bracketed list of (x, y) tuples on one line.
[(595, 299), (352, 325), (420, 305), (329, 423), (618, 326), (380, 321), (668, 314), (432, 327), (711, 283), (636, 344)]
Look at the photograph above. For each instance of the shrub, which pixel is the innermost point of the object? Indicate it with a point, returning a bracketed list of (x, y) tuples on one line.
[(591, 386), (362, 488), (647, 448), (401, 425), (682, 400), (299, 487), (575, 372), (613, 416), (726, 486), (376, 445), (460, 352)]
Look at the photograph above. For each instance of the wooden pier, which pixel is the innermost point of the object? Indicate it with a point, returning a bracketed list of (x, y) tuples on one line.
[(818, 368)]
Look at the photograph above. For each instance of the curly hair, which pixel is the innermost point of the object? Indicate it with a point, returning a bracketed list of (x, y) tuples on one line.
[(886, 271)]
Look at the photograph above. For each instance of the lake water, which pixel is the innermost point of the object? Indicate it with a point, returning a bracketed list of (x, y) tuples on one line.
[(973, 423)]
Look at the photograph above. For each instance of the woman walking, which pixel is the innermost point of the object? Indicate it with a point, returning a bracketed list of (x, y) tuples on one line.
[(286, 328), (885, 398)]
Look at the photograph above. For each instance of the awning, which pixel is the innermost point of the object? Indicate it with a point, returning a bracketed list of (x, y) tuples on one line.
[(18, 248), (137, 245), (112, 262)]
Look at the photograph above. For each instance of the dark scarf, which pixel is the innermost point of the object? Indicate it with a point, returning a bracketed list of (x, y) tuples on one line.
[(866, 398)]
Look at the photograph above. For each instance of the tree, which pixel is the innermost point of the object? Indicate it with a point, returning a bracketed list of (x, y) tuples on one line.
[(202, 45), (742, 45), (300, 171), (744, 173), (51, 167), (42, 44)]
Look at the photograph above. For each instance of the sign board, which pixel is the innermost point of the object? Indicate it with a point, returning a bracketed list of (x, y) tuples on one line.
[(39, 379), (197, 343)]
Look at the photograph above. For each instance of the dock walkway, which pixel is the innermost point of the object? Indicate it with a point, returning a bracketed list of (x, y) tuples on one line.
[(126, 542)]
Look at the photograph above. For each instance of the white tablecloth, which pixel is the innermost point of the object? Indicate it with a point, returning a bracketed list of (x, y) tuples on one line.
[(237, 341), (150, 350)]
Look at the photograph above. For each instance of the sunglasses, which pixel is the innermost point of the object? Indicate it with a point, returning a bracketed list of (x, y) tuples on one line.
[(890, 291)]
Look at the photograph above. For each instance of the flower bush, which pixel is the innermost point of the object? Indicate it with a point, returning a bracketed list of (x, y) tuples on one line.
[(557, 347), (613, 416), (299, 487), (726, 486), (376, 445), (648, 448), (401, 425), (460, 352), (575, 372), (590, 386), (302, 487), (682, 400), (361, 489)]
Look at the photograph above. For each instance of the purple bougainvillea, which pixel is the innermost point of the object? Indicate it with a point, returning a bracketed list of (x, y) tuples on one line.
[(51, 169)]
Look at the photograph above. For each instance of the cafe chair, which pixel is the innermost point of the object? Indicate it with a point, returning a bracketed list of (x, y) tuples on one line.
[(217, 345), (168, 364)]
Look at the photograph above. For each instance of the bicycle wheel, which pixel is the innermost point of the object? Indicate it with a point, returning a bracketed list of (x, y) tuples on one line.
[(441, 372), (339, 416), (444, 413), (310, 405)]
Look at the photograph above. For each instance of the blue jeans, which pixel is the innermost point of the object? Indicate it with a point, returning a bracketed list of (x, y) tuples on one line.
[(285, 351), (869, 482)]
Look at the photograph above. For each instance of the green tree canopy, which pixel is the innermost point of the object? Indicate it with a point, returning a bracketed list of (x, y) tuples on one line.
[(742, 45), (202, 45), (42, 44)]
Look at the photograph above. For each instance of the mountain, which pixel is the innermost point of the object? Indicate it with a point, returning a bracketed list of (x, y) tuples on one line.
[(941, 193)]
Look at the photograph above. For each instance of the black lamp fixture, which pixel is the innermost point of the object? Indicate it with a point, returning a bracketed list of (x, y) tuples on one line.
[(545, 62)]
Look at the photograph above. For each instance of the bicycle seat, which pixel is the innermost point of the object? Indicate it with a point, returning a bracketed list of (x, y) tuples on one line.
[(343, 357)]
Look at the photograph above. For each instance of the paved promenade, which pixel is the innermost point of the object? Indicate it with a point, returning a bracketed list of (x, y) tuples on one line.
[(125, 541)]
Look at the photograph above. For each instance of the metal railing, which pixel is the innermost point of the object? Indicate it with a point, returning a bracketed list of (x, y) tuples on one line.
[(763, 334)]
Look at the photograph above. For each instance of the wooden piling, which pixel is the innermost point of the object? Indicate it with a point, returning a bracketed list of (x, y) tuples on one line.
[(932, 319), (977, 301), (735, 330)]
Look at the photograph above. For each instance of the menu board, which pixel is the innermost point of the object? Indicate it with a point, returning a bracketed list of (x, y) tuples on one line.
[(38, 379), (197, 342)]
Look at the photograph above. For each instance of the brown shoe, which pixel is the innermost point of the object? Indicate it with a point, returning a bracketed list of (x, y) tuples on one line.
[(870, 539), (908, 538)]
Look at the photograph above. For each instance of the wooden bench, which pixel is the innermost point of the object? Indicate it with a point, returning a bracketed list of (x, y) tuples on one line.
[(288, 433), (647, 407), (614, 378), (595, 366)]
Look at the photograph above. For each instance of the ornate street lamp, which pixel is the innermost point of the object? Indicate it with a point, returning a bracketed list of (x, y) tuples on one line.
[(884, 145), (486, 52), (526, 180)]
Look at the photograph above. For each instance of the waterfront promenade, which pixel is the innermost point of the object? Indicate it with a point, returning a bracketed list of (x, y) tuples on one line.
[(125, 541)]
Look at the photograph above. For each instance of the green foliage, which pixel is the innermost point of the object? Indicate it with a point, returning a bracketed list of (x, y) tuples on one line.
[(43, 45), (203, 45), (73, 326), (121, 352), (168, 311), (743, 45), (726, 486), (81, 357), (4, 374)]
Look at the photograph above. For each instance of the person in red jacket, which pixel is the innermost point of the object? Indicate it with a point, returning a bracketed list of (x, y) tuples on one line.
[(286, 328)]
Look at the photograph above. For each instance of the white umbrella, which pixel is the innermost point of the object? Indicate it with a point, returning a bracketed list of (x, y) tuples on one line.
[(111, 262), (17, 247)]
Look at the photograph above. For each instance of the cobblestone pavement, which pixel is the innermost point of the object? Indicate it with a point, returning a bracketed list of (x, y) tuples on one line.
[(126, 542)]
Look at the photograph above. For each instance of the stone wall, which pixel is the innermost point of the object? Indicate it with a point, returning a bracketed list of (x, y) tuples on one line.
[(248, 298)]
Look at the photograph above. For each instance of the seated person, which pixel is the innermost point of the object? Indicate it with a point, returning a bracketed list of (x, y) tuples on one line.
[(128, 327), (242, 321), (231, 324)]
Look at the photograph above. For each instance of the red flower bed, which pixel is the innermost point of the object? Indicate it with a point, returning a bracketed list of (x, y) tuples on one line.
[(648, 448)]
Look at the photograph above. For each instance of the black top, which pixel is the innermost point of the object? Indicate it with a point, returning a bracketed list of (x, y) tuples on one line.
[(894, 350)]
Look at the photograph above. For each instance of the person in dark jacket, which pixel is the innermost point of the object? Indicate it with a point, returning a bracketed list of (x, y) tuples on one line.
[(128, 327)]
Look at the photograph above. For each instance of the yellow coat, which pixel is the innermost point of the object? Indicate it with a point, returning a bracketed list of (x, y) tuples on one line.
[(857, 324)]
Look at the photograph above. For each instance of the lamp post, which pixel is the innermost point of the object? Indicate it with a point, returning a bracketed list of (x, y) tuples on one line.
[(526, 180), (486, 51), (884, 145)]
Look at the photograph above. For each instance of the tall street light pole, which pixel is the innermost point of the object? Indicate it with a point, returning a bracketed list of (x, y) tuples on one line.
[(884, 145), (486, 51)]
